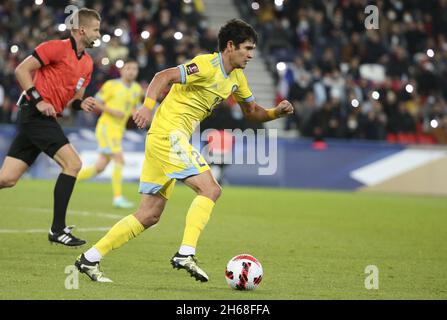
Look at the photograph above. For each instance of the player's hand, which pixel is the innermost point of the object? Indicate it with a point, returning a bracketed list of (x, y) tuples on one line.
[(142, 117), (88, 104), (284, 108), (46, 109)]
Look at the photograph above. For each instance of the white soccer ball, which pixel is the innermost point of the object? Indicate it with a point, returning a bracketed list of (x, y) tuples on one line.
[(243, 272)]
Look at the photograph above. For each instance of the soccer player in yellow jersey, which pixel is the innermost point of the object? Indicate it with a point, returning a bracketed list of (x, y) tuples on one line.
[(118, 99), (198, 86)]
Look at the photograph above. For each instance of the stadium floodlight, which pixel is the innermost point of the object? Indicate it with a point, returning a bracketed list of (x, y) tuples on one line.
[(38, 2), (355, 103), (375, 95), (145, 35), (97, 43), (281, 66), (62, 27), (430, 53), (105, 61), (434, 123), (409, 88), (118, 32), (106, 38), (255, 5), (187, 1), (279, 3), (119, 63), (178, 35), (14, 48)]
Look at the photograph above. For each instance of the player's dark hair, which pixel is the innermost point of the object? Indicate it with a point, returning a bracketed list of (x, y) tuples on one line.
[(237, 31), (130, 60)]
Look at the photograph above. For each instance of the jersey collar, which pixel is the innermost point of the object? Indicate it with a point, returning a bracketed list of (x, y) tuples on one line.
[(75, 48), (222, 66)]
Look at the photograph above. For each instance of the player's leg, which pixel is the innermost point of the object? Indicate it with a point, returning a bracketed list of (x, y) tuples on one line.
[(11, 171), (148, 214), (21, 155), (208, 191), (93, 170), (70, 162), (117, 182)]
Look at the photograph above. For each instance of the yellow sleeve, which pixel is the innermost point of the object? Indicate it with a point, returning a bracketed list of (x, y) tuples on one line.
[(106, 92), (198, 70), (243, 92)]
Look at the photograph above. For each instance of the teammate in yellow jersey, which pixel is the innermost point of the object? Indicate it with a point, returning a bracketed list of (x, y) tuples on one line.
[(118, 100), (198, 86)]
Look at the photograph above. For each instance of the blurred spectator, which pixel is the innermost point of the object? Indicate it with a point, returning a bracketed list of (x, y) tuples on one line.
[(367, 84)]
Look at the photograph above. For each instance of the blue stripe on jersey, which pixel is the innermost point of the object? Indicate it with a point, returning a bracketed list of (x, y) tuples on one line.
[(149, 188), (222, 66), (249, 99), (191, 171), (182, 72)]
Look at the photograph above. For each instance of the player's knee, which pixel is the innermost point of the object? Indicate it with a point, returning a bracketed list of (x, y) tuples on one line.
[(213, 192), (7, 182), (73, 166)]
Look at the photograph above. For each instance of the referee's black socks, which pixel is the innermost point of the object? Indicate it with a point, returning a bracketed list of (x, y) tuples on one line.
[(62, 193)]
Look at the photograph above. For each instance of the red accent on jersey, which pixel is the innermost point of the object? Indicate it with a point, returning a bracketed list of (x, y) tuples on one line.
[(63, 73)]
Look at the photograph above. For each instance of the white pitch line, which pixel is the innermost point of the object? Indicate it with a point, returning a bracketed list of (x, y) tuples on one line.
[(75, 212), (46, 230)]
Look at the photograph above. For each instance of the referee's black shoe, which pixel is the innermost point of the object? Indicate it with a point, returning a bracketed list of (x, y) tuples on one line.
[(65, 237)]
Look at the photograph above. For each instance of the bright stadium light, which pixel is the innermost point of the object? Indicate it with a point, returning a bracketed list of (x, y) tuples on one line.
[(119, 63), (97, 43), (355, 103), (409, 88), (105, 61), (281, 66), (38, 2), (434, 123), (14, 48), (62, 27), (375, 95), (145, 35), (106, 38), (279, 3), (430, 53), (255, 5), (178, 35), (118, 32), (187, 1)]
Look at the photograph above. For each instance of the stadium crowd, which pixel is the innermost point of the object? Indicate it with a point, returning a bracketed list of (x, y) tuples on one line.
[(345, 81), (349, 82)]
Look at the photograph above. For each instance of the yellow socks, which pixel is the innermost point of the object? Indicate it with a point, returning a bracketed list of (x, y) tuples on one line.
[(117, 177), (123, 231), (87, 173), (198, 215)]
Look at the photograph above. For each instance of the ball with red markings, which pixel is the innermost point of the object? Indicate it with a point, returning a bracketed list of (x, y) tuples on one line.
[(243, 272)]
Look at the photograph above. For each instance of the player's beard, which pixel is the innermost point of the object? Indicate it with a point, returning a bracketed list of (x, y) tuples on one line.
[(89, 43)]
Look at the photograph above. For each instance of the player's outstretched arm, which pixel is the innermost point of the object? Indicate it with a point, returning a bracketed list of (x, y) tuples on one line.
[(254, 112), (160, 81)]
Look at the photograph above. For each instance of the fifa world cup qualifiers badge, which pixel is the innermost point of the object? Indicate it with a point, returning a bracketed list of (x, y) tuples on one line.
[(191, 69)]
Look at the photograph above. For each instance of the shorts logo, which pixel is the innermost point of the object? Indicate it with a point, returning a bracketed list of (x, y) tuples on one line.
[(80, 83), (191, 69)]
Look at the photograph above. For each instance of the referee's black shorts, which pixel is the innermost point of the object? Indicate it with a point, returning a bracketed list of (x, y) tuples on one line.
[(36, 133)]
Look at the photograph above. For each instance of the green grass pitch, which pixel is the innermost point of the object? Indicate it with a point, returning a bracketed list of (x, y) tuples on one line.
[(312, 245)]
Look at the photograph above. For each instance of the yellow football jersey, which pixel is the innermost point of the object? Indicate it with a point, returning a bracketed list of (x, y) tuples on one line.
[(116, 95), (204, 84)]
